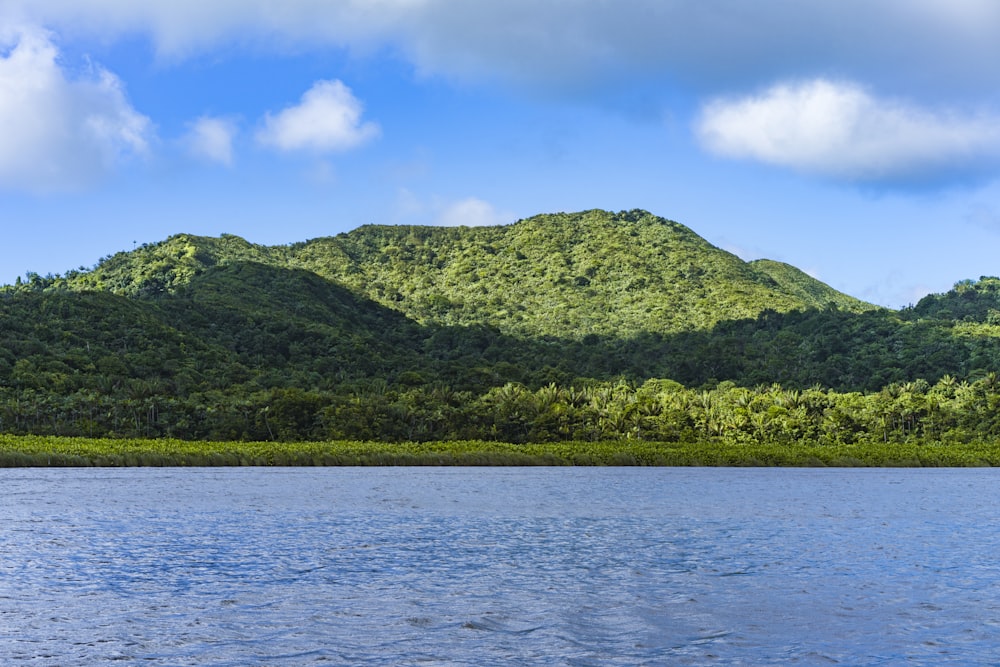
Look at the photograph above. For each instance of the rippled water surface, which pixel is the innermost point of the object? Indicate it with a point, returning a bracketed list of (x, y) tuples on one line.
[(499, 566)]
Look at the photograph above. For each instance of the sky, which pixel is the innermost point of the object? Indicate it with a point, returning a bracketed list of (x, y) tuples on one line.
[(858, 140)]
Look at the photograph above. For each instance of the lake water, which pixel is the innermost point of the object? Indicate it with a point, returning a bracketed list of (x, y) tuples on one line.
[(499, 566)]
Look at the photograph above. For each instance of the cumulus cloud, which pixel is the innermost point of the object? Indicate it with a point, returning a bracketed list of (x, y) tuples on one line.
[(211, 138), (471, 212), (840, 130), (607, 53), (581, 44), (328, 118), (60, 132), (413, 209), (181, 28)]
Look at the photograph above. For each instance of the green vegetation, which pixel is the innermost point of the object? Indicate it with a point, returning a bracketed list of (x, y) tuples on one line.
[(588, 327), (35, 451), (590, 273)]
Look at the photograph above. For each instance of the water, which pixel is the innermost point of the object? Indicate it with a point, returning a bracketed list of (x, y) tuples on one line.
[(452, 566)]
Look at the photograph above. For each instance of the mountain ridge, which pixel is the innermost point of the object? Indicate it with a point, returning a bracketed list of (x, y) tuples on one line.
[(591, 272), (625, 319)]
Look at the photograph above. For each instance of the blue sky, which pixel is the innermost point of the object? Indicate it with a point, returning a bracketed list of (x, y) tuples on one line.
[(859, 141)]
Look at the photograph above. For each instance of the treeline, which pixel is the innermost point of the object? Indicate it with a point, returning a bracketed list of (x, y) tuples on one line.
[(250, 352), (657, 410), (257, 327), (555, 328)]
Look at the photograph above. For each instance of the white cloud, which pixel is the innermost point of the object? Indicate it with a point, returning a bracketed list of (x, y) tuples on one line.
[(181, 28), (841, 131), (60, 133), (328, 118), (211, 138), (412, 209), (582, 44), (609, 53), (471, 212)]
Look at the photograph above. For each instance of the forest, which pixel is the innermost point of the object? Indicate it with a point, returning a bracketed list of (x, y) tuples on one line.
[(591, 326)]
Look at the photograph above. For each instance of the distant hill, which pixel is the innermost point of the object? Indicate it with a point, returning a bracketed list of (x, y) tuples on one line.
[(572, 275), (797, 283), (218, 337)]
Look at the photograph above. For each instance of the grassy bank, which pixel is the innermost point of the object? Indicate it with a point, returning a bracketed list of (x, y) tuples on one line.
[(43, 451)]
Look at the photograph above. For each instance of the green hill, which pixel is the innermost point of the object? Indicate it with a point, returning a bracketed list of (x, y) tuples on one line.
[(797, 283), (566, 275), (421, 332)]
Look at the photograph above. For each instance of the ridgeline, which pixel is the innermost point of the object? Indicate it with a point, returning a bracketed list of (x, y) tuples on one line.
[(584, 326)]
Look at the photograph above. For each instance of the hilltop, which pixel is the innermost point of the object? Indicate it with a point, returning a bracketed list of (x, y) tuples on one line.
[(589, 273), (395, 332)]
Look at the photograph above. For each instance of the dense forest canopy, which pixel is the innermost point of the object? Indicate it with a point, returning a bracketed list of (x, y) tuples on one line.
[(590, 325)]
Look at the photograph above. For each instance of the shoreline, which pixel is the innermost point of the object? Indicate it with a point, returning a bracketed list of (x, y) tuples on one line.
[(27, 451)]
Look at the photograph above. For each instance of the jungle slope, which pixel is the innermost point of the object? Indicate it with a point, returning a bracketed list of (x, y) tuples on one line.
[(425, 332)]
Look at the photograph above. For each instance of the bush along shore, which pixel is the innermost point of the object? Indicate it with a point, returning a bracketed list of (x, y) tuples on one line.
[(53, 451)]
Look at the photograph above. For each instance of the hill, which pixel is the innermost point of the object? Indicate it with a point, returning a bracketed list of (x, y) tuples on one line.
[(590, 273), (417, 332), (797, 283), (560, 275)]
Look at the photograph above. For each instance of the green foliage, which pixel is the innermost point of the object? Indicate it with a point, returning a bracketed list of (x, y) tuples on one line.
[(562, 275), (35, 451), (579, 274), (557, 328), (811, 291)]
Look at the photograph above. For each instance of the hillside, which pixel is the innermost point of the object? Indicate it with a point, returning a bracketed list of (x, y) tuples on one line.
[(590, 273), (422, 332), (559, 275), (798, 283)]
